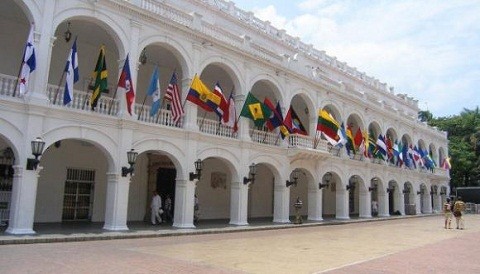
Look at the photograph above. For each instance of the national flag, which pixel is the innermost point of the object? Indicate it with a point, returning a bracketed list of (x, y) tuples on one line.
[(154, 91), (342, 134), (283, 129), (400, 160), (202, 96), (230, 117), (328, 126), (446, 163), (372, 145), (100, 75), (381, 147), (396, 152), (125, 85), (28, 63), (255, 110), (173, 96), (274, 120), (293, 123), (358, 139), (389, 144), (350, 142), (366, 141), (222, 108), (72, 75)]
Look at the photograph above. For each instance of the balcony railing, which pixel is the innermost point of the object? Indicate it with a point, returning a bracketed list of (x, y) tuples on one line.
[(265, 137), (7, 85), (163, 117), (215, 128), (81, 101), (304, 141)]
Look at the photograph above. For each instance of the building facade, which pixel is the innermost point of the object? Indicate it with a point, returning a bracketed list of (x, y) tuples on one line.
[(79, 176)]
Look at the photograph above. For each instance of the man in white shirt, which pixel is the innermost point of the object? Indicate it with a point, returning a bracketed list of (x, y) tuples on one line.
[(156, 207)]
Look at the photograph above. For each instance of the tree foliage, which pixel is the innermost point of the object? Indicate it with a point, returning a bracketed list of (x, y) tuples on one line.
[(464, 145)]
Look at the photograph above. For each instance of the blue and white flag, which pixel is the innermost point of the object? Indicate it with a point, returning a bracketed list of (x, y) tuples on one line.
[(71, 70), (28, 63), (154, 91)]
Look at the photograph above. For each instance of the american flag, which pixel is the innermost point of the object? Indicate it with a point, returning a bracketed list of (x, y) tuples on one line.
[(172, 94)]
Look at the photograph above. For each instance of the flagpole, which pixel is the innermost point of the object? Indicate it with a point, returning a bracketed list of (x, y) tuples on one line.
[(18, 76), (141, 109), (315, 140), (58, 87), (86, 94), (113, 99), (203, 119)]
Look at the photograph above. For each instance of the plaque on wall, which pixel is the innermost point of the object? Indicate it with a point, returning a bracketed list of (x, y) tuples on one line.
[(218, 180)]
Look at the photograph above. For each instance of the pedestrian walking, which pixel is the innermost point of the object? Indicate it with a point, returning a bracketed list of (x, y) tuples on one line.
[(458, 209), (447, 210), (156, 208)]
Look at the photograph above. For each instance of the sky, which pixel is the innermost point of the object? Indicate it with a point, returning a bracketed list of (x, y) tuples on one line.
[(429, 49)]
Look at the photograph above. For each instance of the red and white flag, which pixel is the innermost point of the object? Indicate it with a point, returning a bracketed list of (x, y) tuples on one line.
[(230, 116), (173, 95), (125, 85)]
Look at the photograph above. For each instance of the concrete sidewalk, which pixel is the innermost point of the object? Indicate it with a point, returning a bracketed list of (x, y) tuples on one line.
[(75, 231)]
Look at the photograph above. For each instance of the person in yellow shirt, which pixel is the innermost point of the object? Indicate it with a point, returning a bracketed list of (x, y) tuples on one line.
[(458, 209)]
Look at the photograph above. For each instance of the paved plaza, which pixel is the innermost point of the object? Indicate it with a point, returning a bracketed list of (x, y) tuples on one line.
[(409, 245)]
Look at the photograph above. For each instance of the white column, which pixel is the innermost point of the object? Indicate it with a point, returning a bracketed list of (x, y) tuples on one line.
[(315, 204), (383, 203), (239, 204), (281, 202), (190, 118), (428, 203), (341, 196), (243, 124), (43, 54), (438, 203), (401, 202), (117, 202), (364, 204), (22, 204), (418, 204), (184, 202)]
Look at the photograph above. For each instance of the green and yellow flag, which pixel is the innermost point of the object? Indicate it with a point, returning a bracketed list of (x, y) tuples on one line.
[(255, 110), (100, 75)]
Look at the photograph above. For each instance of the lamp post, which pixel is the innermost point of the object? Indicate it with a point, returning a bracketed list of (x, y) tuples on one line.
[(295, 178), (198, 170), (132, 158), (37, 149), (352, 182), (327, 177), (251, 174), (67, 34)]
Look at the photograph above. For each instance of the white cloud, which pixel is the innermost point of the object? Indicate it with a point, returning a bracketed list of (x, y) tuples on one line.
[(428, 49)]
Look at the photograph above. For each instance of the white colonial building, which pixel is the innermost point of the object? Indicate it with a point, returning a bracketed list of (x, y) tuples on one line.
[(79, 176)]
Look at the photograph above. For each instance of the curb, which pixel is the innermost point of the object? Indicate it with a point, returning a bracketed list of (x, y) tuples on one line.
[(116, 235)]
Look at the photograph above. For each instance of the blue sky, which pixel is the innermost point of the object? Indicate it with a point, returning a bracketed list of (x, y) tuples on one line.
[(427, 49)]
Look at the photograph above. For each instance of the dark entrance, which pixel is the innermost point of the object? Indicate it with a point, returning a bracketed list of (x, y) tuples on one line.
[(390, 202), (166, 185)]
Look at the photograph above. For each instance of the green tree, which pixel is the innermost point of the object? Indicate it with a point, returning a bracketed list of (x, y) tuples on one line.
[(464, 146)]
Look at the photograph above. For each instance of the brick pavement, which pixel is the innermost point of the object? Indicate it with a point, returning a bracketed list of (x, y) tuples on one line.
[(413, 245)]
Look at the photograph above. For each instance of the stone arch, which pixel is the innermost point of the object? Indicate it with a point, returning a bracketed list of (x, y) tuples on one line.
[(306, 113), (101, 140), (226, 156), (13, 137), (374, 129), (333, 108), (172, 150), (231, 68), (113, 27), (271, 83), (171, 44)]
